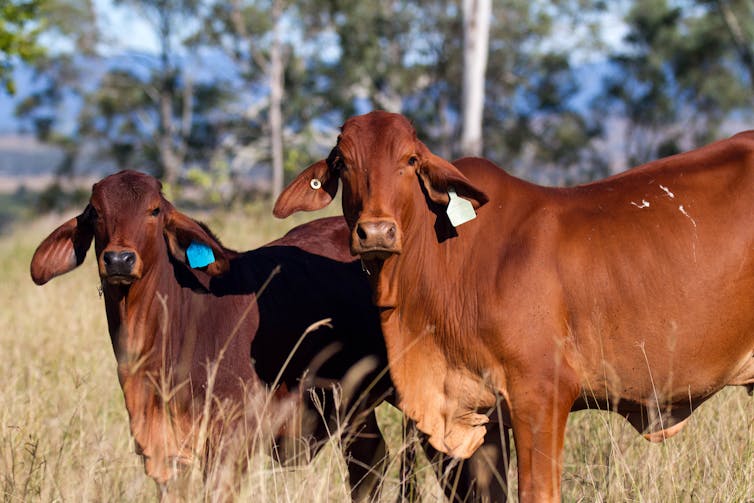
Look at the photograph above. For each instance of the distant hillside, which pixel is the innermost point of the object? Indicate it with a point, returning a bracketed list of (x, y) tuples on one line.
[(24, 155)]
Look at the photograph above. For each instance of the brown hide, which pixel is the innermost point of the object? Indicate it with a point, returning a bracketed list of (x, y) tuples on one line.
[(184, 339), (633, 294)]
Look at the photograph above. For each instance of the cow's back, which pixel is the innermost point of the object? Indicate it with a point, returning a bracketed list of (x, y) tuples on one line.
[(646, 271)]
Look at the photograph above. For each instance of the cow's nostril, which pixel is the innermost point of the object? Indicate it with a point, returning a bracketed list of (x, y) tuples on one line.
[(391, 232), (129, 258), (108, 258), (360, 232)]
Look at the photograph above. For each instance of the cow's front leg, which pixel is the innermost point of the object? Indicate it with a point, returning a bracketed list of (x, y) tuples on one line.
[(481, 478), (539, 411)]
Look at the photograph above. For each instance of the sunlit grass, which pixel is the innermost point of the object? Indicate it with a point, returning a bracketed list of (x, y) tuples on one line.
[(64, 432)]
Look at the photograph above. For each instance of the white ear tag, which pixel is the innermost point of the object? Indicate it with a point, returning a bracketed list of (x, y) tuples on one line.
[(459, 210), (315, 184)]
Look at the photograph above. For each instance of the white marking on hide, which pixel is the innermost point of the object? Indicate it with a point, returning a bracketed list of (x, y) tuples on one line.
[(667, 191), (685, 213), (644, 204), (683, 210)]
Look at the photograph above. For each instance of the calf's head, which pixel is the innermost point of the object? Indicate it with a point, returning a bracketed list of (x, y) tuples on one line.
[(133, 227), (387, 174)]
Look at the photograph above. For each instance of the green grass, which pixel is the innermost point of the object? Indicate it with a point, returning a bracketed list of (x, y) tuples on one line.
[(64, 430)]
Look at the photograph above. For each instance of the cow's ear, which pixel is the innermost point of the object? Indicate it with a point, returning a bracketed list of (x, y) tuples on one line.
[(193, 244), (438, 176), (312, 189), (64, 249)]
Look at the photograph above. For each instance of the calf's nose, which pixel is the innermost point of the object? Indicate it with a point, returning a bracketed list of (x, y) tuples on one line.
[(119, 262)]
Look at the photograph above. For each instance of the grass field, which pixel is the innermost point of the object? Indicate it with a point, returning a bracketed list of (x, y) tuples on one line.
[(64, 430)]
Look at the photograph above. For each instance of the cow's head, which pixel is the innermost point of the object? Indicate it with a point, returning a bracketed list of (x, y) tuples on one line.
[(133, 227), (386, 171)]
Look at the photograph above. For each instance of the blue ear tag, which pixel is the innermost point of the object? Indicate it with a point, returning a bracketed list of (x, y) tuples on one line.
[(199, 255)]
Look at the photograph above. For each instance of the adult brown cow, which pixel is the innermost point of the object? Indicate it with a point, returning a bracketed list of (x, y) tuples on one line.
[(184, 337), (633, 294)]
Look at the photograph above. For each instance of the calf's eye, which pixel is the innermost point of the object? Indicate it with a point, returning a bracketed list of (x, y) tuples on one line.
[(155, 212), (412, 160)]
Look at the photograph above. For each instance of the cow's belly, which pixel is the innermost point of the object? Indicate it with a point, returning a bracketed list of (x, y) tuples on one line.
[(666, 368)]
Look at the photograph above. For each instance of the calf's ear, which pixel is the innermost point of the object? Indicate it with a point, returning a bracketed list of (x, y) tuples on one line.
[(312, 189), (438, 176), (185, 234), (64, 249)]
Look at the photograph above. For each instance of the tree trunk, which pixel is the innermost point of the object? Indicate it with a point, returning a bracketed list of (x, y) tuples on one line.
[(170, 156), (476, 29), (277, 84)]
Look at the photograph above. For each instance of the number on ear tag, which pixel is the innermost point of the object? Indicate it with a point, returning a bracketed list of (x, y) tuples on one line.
[(459, 210), (199, 255)]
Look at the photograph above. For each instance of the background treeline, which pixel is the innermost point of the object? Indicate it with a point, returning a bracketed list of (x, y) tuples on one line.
[(239, 95)]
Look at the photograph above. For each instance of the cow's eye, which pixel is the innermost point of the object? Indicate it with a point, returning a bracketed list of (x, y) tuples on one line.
[(413, 160), (155, 212)]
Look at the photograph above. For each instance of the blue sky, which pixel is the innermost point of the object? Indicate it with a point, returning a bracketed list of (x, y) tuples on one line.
[(126, 27)]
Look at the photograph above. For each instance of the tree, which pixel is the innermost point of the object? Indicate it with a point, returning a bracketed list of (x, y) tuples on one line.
[(175, 115), (134, 110), (18, 38), (380, 54), (407, 57), (251, 33), (60, 76), (273, 66), (532, 125), (275, 70), (476, 28), (737, 17), (686, 67)]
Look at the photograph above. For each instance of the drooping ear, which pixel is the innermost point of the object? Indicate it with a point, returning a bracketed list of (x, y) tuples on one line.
[(438, 175), (64, 249), (312, 189), (181, 230)]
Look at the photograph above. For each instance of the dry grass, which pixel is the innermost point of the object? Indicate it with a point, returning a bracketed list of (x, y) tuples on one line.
[(64, 430)]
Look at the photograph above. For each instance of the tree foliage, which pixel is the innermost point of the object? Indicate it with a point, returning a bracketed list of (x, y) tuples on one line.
[(234, 88), (685, 68), (18, 37)]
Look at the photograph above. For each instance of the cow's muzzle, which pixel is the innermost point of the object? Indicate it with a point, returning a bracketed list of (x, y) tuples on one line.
[(376, 238), (120, 266)]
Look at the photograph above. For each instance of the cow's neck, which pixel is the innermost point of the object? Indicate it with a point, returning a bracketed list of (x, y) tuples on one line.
[(425, 280), (138, 315), (148, 366), (427, 316)]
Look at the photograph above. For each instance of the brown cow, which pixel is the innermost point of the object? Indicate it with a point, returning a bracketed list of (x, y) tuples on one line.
[(633, 294), (170, 324)]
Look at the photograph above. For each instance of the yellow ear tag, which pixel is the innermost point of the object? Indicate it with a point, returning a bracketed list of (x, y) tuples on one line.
[(459, 210)]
